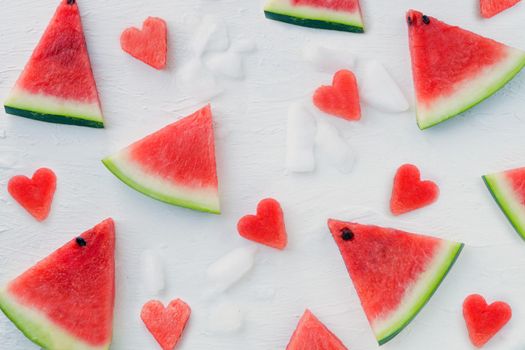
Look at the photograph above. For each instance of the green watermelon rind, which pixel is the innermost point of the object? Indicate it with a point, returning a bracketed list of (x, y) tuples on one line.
[(414, 310), (505, 203), (312, 18), (186, 203), (427, 122), (54, 118), (39, 329)]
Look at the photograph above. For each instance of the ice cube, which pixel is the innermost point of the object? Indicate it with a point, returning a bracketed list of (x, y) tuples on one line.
[(225, 318), (230, 268), (378, 89), (328, 59), (334, 148), (300, 137), (152, 272), (195, 79), (228, 64), (210, 35)]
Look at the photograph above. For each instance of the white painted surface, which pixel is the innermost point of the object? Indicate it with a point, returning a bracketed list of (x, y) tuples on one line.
[(251, 121)]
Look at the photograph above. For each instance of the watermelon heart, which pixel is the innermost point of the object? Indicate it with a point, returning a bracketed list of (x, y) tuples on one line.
[(150, 44), (409, 192), (267, 227), (35, 194), (166, 324), (342, 98), (483, 320)]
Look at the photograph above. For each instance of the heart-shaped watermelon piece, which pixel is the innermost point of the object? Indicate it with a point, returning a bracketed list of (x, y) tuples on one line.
[(150, 45), (35, 194), (166, 324), (483, 320), (341, 99), (409, 192), (267, 226)]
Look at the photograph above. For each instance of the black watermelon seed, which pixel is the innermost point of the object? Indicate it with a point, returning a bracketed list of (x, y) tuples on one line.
[(70, 2), (426, 19), (347, 234), (81, 241), (409, 20)]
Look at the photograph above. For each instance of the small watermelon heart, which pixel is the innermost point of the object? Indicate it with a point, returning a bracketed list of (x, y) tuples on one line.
[(483, 320), (166, 324), (267, 227), (150, 45), (342, 98), (490, 8), (35, 194), (409, 192)]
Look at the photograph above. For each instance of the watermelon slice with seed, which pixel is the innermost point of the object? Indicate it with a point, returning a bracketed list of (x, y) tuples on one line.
[(342, 15), (508, 189), (175, 165), (394, 272), (455, 69), (312, 334), (490, 8), (57, 84), (66, 300)]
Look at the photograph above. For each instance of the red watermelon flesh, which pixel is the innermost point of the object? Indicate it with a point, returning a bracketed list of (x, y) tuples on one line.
[(150, 44), (517, 180), (394, 272), (484, 321), (267, 226), (58, 80), (341, 99), (341, 5), (409, 192), (490, 8), (166, 324), (175, 164), (35, 194), (72, 290), (311, 334), (454, 69)]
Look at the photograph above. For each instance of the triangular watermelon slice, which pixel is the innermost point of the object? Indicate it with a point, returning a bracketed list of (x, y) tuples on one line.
[(57, 84), (508, 189), (490, 8), (395, 273), (342, 15), (455, 69), (66, 300), (312, 334), (175, 165)]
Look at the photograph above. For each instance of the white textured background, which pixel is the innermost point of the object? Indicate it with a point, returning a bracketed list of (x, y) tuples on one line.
[(251, 120)]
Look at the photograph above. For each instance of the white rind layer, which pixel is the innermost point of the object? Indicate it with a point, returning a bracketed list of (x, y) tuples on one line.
[(46, 104), (39, 329), (285, 7), (472, 91), (131, 173), (418, 294)]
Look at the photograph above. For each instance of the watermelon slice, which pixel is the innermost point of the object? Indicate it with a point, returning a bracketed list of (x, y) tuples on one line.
[(395, 273), (508, 189), (311, 334), (57, 84), (455, 69), (343, 15), (175, 165), (490, 8), (484, 321), (66, 300)]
